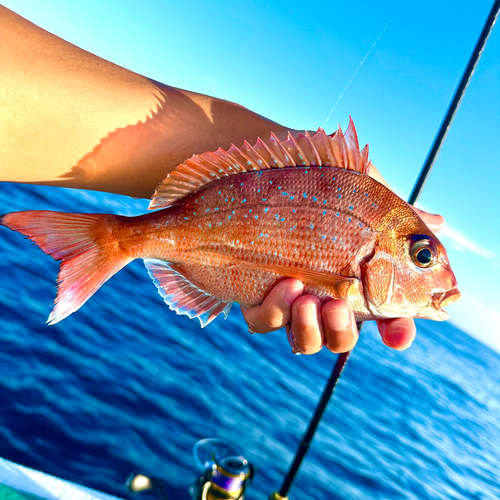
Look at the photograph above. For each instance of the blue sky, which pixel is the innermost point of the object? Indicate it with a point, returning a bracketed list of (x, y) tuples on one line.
[(392, 66)]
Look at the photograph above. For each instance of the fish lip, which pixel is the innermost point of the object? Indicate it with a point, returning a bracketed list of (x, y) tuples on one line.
[(442, 299)]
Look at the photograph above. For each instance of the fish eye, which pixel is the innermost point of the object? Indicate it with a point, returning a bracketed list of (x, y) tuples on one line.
[(423, 251)]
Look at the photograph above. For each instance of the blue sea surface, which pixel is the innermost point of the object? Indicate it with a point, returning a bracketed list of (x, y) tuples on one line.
[(125, 384)]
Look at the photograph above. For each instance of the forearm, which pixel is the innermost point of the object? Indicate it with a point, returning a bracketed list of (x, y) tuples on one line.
[(69, 118)]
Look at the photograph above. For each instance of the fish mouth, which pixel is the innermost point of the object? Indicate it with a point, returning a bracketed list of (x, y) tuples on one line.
[(442, 299)]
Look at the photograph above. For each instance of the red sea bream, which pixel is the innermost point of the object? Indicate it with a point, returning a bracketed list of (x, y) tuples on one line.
[(234, 223)]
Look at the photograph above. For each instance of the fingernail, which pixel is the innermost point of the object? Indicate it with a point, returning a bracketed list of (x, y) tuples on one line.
[(338, 319), (308, 314), (293, 292), (291, 341)]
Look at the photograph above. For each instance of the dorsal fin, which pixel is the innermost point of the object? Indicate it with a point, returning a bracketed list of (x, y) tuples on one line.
[(336, 150)]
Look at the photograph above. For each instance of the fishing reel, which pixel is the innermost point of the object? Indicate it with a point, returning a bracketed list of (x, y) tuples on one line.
[(225, 475)]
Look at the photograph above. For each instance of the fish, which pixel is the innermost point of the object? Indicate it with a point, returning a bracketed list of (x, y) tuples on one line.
[(227, 226)]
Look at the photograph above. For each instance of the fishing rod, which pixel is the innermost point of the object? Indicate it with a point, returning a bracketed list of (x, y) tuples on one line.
[(419, 184), (455, 102)]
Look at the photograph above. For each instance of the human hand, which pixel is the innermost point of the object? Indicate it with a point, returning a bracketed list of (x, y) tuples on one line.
[(310, 325)]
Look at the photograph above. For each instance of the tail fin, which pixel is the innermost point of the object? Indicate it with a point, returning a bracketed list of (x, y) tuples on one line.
[(84, 243)]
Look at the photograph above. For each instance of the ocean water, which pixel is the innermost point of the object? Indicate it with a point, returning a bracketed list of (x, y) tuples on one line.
[(125, 384)]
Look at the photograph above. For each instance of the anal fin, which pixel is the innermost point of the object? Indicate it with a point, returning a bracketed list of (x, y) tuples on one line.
[(184, 297)]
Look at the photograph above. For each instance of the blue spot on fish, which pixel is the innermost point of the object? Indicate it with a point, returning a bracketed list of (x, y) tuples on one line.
[(292, 197), (351, 208), (334, 238), (314, 198), (311, 226), (323, 237), (305, 195), (340, 196), (266, 210), (324, 212)]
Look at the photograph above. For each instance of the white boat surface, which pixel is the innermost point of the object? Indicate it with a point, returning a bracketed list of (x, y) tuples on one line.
[(44, 486)]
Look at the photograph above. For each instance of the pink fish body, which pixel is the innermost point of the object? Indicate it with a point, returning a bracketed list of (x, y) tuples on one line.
[(237, 222)]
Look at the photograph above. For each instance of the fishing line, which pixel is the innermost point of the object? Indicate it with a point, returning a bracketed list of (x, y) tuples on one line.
[(370, 50)]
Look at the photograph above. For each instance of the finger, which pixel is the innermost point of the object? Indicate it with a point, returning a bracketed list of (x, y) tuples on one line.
[(397, 333), (275, 311), (339, 325), (307, 329), (434, 222)]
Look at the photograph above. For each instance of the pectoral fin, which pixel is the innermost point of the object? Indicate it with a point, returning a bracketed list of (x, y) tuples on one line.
[(341, 284)]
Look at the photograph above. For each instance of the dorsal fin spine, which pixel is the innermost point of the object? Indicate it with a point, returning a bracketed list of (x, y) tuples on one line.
[(351, 139), (302, 155), (264, 153), (364, 159), (310, 141), (276, 159), (281, 151)]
